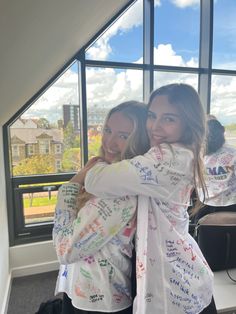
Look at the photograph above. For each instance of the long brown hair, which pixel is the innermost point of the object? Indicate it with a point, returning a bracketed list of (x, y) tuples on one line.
[(137, 142), (187, 101)]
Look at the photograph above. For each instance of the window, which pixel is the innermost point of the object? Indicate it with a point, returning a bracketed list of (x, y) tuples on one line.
[(45, 142), (223, 104), (122, 41), (223, 85), (58, 148), (224, 49), (150, 44), (176, 37), (44, 147), (30, 149), (58, 165), (15, 150), (162, 78)]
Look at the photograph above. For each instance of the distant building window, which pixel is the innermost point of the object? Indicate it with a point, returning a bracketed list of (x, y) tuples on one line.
[(30, 149), (44, 147), (15, 150), (58, 164), (58, 149)]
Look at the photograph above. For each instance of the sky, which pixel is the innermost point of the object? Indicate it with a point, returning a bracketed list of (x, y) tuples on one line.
[(176, 41)]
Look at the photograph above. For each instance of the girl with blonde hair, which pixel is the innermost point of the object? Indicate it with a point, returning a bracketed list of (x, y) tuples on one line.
[(93, 236)]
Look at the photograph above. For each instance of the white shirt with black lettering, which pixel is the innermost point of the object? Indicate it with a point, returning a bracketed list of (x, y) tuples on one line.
[(173, 277), (220, 177), (94, 247)]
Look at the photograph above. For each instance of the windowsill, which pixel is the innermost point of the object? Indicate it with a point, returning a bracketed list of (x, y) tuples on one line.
[(225, 291)]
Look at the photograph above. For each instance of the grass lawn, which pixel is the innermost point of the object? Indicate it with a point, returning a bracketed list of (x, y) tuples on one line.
[(40, 201)]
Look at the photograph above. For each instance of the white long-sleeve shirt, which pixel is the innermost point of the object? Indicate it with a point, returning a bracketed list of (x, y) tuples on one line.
[(220, 177), (172, 274), (94, 248)]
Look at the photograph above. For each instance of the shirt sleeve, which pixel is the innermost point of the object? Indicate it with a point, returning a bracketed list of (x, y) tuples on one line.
[(76, 235), (156, 174)]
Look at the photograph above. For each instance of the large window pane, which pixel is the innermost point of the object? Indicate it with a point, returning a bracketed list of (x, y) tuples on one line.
[(223, 104), (176, 37), (39, 207), (123, 40), (224, 48), (46, 138), (163, 78), (106, 88)]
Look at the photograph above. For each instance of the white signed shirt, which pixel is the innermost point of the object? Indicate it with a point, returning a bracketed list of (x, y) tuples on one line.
[(172, 274), (220, 177), (94, 248)]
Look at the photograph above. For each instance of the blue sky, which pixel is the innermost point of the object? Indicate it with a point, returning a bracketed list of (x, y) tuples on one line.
[(176, 43)]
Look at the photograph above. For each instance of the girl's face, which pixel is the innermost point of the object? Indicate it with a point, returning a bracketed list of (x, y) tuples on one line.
[(164, 124), (115, 134)]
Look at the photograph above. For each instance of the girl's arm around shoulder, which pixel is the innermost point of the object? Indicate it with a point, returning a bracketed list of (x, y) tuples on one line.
[(150, 175), (78, 235), (65, 213)]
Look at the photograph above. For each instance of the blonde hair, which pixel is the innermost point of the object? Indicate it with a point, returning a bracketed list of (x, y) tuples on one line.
[(137, 142), (187, 101)]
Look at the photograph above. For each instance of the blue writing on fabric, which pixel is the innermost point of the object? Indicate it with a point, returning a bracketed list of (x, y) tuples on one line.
[(145, 173)]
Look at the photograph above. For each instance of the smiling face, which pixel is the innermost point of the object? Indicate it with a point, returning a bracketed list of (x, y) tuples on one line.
[(164, 124), (115, 134)]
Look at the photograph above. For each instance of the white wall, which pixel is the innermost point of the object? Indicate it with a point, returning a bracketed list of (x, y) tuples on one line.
[(32, 258), (38, 37), (4, 244)]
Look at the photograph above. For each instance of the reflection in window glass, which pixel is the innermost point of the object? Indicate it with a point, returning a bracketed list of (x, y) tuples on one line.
[(224, 48), (46, 138), (122, 41), (163, 78), (106, 88), (177, 31), (223, 104)]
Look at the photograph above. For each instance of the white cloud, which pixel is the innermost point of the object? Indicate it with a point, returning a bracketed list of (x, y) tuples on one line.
[(223, 101), (49, 105), (100, 50), (106, 87), (157, 3), (165, 55), (185, 3)]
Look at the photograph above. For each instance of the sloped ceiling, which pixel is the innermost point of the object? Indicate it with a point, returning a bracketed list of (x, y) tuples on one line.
[(37, 37)]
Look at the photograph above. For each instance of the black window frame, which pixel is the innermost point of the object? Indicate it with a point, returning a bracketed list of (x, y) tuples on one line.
[(17, 232)]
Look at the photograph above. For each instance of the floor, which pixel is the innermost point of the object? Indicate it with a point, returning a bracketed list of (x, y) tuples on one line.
[(27, 293)]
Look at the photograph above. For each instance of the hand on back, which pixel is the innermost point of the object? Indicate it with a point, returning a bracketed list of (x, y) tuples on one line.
[(80, 176)]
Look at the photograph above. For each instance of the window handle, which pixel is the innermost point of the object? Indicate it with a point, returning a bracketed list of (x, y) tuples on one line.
[(49, 189)]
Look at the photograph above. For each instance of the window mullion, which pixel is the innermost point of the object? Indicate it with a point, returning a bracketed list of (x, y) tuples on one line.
[(205, 57), (83, 107), (148, 42)]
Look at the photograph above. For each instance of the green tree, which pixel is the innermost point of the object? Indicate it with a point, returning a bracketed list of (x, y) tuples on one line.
[(43, 123), (71, 139), (38, 164), (231, 127), (94, 145), (71, 160)]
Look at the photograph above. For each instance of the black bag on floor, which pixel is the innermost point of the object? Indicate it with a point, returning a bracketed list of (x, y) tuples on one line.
[(216, 237), (52, 306)]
